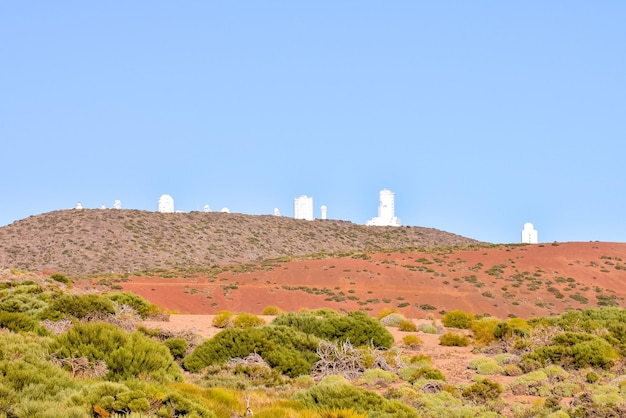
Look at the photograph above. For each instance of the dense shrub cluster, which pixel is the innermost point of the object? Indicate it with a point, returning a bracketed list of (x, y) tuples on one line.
[(335, 393), (290, 351), (126, 355), (356, 327)]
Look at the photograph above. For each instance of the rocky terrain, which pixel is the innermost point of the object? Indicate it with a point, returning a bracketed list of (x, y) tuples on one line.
[(94, 241)]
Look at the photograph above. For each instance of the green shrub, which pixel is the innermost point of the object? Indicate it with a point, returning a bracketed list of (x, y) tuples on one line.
[(27, 303), (19, 322), (457, 319), (512, 370), (427, 328), (392, 320), (143, 308), (246, 320), (386, 312), (372, 376), (484, 330), (177, 346), (407, 326), (126, 355), (356, 327), (58, 277), (592, 377), (428, 373), (530, 383), (482, 391), (78, 306), (272, 310), (290, 351), (485, 366), (576, 350), (223, 319), (340, 395), (452, 339), (412, 341)]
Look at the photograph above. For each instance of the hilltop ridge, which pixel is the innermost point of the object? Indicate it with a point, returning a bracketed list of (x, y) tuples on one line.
[(96, 241)]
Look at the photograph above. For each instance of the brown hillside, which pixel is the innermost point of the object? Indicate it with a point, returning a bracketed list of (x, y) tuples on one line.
[(519, 280), (83, 242)]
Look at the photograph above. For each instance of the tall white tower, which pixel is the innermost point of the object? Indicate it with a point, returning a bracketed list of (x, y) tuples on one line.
[(386, 215), (324, 210), (117, 204), (529, 234), (385, 204), (166, 204), (303, 208)]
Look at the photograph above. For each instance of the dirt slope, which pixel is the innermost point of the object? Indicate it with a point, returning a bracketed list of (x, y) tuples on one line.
[(524, 281)]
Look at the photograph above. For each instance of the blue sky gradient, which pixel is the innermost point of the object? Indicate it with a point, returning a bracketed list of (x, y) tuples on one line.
[(480, 116)]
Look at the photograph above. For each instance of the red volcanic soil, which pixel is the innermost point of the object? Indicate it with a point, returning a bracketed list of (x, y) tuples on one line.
[(506, 280)]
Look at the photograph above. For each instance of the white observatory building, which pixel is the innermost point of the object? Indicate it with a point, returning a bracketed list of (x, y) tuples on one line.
[(529, 234), (324, 211), (386, 216), (166, 204), (303, 208)]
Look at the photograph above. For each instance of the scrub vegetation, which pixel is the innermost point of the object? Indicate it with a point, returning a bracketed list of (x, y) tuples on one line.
[(65, 354)]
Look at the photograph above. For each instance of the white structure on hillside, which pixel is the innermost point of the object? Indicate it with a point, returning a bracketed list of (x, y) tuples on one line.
[(324, 211), (529, 234), (225, 210), (207, 208), (386, 216), (117, 204), (79, 205), (276, 212), (166, 204), (303, 208)]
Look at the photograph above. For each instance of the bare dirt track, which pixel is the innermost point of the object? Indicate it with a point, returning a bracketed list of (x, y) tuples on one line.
[(523, 281)]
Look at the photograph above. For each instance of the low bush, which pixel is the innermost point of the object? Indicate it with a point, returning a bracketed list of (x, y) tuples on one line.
[(407, 326), (412, 341), (452, 339), (272, 310), (223, 319), (485, 366), (177, 347), (482, 391), (392, 320), (246, 320), (143, 308), (78, 306), (484, 330), (427, 328), (457, 319), (334, 394), (58, 277)]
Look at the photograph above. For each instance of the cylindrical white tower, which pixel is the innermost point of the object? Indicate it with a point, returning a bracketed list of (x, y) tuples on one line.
[(324, 210)]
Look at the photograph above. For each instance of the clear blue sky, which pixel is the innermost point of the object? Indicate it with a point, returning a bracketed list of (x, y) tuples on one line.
[(479, 115)]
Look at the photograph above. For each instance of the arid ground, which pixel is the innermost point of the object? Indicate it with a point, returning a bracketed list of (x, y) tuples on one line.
[(501, 281)]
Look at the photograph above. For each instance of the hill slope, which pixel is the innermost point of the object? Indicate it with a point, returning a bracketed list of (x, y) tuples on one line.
[(520, 280), (102, 241)]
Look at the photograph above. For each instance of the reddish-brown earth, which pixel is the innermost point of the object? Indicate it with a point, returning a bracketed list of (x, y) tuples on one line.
[(527, 281)]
